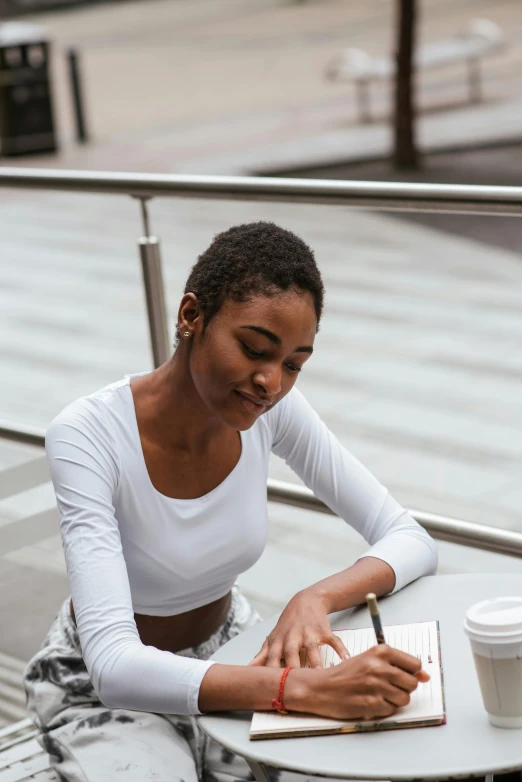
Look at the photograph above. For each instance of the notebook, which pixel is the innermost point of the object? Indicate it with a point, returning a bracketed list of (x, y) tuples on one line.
[(426, 706)]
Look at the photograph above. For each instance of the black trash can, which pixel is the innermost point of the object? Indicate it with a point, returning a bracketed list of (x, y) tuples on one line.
[(26, 111)]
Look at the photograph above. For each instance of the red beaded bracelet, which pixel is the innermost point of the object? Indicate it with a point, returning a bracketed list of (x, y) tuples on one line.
[(277, 703)]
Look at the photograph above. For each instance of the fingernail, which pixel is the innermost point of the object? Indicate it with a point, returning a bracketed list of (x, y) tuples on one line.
[(346, 657)]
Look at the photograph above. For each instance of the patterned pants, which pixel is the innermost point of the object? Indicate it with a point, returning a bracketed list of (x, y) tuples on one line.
[(88, 742)]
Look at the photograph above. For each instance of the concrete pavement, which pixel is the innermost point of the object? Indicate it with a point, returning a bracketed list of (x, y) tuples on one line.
[(238, 85)]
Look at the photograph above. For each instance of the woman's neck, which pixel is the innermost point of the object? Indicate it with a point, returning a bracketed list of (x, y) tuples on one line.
[(169, 408)]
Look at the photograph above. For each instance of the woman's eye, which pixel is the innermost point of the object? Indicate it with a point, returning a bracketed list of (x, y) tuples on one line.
[(253, 353), (257, 354)]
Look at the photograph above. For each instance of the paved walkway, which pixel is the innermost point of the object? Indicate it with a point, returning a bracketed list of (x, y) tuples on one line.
[(229, 86)]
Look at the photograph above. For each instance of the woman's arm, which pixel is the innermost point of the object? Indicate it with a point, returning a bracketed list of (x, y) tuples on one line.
[(350, 587), (350, 490), (84, 464), (400, 551), (370, 685), (304, 622)]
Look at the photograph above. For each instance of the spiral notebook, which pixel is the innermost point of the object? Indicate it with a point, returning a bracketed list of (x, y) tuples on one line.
[(426, 706)]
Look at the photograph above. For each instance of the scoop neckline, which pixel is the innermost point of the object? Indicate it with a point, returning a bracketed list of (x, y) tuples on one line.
[(136, 432)]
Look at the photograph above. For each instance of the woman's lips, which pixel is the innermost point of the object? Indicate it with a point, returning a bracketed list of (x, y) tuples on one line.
[(249, 405)]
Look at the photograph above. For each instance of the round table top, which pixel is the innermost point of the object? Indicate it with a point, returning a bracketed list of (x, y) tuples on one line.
[(466, 746)]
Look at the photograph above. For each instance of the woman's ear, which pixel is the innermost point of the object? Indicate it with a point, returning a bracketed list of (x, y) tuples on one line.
[(190, 316)]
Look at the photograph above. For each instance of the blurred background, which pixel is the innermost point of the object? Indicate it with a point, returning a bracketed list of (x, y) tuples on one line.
[(418, 364)]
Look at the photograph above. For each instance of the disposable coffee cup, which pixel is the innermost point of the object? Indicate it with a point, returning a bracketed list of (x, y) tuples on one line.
[(494, 628)]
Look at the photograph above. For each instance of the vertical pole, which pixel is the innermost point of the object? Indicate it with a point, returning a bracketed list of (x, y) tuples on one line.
[(405, 150), (150, 257), (76, 89), (258, 770), (363, 99), (474, 80)]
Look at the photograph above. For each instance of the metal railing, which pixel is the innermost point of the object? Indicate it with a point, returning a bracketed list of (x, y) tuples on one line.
[(470, 199), (455, 199), (466, 533), (478, 199)]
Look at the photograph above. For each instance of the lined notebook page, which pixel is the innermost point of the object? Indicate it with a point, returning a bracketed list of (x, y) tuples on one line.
[(427, 702)]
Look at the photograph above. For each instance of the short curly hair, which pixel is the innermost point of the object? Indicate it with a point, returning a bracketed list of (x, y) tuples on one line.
[(254, 258)]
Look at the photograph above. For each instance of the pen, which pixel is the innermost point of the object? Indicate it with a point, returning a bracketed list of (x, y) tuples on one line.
[(371, 599)]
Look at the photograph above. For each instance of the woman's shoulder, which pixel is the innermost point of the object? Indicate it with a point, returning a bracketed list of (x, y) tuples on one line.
[(91, 414)]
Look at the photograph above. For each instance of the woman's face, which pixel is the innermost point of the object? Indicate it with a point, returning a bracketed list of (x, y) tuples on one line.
[(251, 353)]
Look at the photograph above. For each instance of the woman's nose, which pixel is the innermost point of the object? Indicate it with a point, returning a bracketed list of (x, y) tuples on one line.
[(269, 378)]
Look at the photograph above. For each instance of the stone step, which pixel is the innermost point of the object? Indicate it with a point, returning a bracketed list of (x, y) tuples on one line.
[(10, 678), (13, 663), (12, 695)]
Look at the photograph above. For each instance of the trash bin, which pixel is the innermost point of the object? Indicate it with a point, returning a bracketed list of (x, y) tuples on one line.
[(26, 112)]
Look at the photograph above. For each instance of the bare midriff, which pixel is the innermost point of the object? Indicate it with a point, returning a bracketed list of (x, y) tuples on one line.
[(174, 633)]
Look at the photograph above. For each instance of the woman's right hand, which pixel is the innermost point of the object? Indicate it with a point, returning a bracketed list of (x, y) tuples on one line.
[(369, 686)]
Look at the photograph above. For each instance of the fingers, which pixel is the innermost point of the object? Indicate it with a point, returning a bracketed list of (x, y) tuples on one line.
[(402, 660), (399, 686), (278, 656), (405, 663), (404, 681), (385, 710), (410, 664), (274, 662), (260, 657), (314, 656), (376, 708), (335, 642), (394, 695), (310, 651), (292, 658)]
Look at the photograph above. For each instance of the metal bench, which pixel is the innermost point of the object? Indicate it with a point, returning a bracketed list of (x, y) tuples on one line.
[(21, 757), (481, 38)]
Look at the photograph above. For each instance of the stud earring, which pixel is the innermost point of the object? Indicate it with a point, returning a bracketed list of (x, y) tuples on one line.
[(186, 334)]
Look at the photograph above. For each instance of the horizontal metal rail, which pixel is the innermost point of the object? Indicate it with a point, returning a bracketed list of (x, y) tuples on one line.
[(478, 199), (465, 533), (18, 433)]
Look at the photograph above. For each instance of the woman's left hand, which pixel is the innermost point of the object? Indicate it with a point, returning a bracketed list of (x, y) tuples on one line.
[(302, 625)]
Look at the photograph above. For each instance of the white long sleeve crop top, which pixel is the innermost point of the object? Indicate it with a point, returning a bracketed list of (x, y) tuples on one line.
[(130, 549)]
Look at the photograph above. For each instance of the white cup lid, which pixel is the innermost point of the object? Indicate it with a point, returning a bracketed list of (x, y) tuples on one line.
[(498, 619)]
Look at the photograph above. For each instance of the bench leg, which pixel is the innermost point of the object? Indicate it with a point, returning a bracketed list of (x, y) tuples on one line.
[(474, 80), (258, 770), (363, 100)]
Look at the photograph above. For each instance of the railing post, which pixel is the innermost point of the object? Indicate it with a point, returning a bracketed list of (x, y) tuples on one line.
[(150, 257)]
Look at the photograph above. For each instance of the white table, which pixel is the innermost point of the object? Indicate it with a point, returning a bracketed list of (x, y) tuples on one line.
[(466, 746)]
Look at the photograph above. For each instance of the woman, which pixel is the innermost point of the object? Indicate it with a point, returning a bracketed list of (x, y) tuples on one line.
[(160, 482)]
